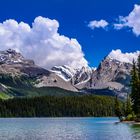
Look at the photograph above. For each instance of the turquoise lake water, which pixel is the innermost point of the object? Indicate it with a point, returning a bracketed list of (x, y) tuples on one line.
[(67, 129)]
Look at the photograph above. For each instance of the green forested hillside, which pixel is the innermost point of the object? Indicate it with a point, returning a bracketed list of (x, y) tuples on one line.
[(23, 87), (52, 106), (19, 98), (32, 92)]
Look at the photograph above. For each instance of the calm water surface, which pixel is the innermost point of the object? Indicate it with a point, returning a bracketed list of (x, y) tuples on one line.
[(67, 129)]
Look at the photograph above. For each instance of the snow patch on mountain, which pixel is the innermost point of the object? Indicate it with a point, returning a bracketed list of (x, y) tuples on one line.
[(65, 72), (76, 76), (83, 75)]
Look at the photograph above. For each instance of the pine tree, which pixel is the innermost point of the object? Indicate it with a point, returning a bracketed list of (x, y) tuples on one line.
[(135, 87), (138, 86), (138, 70), (128, 107), (138, 67), (117, 108)]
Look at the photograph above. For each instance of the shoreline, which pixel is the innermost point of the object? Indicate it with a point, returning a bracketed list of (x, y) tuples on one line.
[(131, 122), (64, 117)]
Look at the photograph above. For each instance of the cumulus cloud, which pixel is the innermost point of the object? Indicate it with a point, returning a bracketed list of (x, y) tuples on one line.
[(41, 42), (98, 24), (131, 21), (124, 57)]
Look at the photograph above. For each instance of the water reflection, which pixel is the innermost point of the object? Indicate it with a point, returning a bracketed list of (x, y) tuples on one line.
[(67, 129), (135, 130)]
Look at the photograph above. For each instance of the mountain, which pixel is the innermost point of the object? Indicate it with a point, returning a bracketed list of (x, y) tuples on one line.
[(16, 72), (112, 77), (22, 77), (77, 77), (64, 72)]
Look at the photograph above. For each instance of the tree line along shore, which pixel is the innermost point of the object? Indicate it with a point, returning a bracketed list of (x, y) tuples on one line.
[(131, 108)]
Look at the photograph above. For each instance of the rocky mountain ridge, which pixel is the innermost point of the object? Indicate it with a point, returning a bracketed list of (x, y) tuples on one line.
[(111, 77)]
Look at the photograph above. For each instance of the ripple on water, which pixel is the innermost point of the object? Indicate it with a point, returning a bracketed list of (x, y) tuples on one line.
[(67, 129)]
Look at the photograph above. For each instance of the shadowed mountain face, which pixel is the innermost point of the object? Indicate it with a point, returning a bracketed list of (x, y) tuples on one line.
[(111, 77)]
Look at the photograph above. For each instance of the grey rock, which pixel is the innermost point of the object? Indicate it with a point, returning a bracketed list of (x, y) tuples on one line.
[(112, 75)]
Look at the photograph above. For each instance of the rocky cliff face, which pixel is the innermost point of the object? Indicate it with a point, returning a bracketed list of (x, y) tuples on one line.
[(14, 64), (111, 77), (11, 57)]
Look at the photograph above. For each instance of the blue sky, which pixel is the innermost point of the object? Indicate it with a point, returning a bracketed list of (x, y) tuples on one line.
[(74, 16)]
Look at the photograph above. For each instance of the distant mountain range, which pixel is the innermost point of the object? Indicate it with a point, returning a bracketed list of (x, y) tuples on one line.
[(22, 77)]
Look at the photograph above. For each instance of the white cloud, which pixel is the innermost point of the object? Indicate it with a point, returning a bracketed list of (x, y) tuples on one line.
[(132, 21), (124, 57), (98, 24), (42, 43)]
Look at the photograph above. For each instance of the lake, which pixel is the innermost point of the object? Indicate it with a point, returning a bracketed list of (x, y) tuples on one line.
[(67, 129)]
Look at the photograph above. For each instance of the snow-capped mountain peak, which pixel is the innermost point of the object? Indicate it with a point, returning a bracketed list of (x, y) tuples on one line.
[(76, 76), (123, 57), (12, 57)]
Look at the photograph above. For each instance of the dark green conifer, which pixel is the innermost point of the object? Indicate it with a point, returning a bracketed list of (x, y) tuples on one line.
[(118, 108), (135, 87), (128, 106)]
